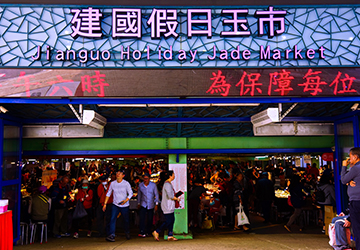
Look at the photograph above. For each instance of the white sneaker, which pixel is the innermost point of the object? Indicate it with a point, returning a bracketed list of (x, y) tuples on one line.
[(76, 236)]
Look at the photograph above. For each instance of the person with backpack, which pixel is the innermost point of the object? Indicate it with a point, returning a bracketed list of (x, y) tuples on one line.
[(325, 195), (39, 206), (297, 197)]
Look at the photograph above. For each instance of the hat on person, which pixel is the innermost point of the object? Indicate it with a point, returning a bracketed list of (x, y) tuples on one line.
[(85, 181), (147, 175), (103, 178), (42, 189), (122, 170), (265, 173)]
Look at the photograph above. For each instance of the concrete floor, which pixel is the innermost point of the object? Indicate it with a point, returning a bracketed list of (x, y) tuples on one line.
[(262, 236), (228, 241)]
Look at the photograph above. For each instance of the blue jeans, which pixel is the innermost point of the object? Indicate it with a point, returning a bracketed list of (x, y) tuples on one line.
[(125, 214), (168, 223), (146, 223)]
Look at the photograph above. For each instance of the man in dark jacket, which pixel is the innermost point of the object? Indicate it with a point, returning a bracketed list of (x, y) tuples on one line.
[(352, 177), (266, 195), (60, 197)]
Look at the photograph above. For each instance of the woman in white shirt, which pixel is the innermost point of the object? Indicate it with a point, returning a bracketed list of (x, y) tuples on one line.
[(168, 207)]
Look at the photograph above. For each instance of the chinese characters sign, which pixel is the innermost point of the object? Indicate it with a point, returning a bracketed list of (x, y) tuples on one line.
[(232, 37), (307, 82), (282, 82), (164, 22)]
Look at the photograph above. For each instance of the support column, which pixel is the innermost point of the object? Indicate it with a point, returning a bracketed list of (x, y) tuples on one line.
[(1, 154), (178, 163), (337, 178)]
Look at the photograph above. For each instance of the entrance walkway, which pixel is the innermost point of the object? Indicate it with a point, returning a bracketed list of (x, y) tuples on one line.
[(201, 242), (267, 237)]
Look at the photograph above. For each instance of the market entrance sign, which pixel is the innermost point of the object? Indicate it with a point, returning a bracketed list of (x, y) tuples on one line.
[(219, 83), (123, 37)]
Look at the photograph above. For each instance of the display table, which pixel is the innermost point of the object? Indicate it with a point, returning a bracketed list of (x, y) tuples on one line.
[(6, 231)]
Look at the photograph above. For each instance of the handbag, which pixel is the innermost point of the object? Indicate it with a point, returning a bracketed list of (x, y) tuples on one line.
[(177, 204), (289, 201), (207, 223), (241, 216), (79, 211)]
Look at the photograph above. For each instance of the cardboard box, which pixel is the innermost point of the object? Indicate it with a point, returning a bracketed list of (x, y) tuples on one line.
[(4, 206), (330, 213)]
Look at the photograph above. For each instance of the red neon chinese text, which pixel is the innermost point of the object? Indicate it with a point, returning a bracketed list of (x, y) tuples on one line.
[(27, 83), (251, 86), (56, 88), (87, 85), (219, 85), (313, 82), (282, 80), (346, 81)]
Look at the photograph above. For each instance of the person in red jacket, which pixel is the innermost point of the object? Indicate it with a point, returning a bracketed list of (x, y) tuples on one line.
[(102, 216), (85, 195)]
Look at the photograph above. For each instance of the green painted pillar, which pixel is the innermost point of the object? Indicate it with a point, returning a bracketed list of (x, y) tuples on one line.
[(178, 163)]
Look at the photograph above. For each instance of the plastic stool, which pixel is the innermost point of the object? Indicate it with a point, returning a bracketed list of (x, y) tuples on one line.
[(33, 227), (24, 229)]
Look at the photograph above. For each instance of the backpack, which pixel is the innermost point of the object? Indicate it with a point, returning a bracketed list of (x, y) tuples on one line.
[(320, 195)]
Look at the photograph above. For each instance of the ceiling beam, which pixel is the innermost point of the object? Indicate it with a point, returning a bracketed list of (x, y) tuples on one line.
[(177, 120), (276, 100)]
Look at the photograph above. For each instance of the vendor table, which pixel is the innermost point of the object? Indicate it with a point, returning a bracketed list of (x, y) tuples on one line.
[(6, 231)]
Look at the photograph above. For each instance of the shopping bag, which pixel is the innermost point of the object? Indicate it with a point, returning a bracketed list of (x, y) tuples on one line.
[(79, 211), (207, 223), (289, 201), (332, 237), (242, 218)]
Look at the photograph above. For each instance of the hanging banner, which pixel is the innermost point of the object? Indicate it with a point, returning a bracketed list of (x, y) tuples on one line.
[(307, 159)]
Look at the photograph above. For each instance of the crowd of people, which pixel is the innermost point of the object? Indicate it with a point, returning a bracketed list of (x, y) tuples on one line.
[(105, 190), (254, 188)]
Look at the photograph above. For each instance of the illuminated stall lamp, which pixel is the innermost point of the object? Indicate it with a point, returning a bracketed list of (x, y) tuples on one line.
[(164, 105), (263, 157)]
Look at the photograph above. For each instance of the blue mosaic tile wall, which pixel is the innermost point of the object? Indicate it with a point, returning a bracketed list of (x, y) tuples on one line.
[(24, 28)]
